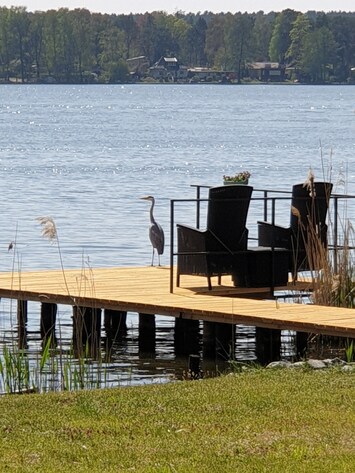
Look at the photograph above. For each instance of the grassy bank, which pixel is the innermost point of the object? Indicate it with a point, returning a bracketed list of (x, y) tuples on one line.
[(259, 421)]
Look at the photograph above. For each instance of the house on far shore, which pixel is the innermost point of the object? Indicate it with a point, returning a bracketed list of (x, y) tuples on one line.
[(138, 66), (206, 74), (267, 71), (168, 69)]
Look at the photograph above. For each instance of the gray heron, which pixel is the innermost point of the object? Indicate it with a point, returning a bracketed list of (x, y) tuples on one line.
[(156, 233)]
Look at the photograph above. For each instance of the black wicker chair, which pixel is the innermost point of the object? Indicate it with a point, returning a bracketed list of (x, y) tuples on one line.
[(306, 236), (220, 249)]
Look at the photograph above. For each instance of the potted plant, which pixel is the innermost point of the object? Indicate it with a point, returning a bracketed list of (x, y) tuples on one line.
[(240, 178)]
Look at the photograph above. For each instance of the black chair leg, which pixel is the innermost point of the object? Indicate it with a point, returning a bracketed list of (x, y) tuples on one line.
[(209, 283)]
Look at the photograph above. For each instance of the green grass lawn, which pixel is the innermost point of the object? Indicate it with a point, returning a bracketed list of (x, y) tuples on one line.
[(255, 421)]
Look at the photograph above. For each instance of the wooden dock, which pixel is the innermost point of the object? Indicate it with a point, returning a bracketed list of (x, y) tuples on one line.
[(146, 290)]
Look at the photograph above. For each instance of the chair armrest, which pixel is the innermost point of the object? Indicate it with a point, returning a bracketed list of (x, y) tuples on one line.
[(190, 239), (273, 235)]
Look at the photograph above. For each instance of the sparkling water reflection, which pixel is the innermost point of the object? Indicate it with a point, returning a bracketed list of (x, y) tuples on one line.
[(84, 155)]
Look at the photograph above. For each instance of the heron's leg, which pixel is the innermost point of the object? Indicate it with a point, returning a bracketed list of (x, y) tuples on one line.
[(159, 258), (152, 258)]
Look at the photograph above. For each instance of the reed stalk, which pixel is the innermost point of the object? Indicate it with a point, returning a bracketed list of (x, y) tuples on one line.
[(332, 270)]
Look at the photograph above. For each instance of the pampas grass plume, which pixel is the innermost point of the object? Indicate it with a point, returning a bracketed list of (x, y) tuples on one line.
[(49, 229)]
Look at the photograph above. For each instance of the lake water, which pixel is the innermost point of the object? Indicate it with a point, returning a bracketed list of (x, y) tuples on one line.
[(85, 154)]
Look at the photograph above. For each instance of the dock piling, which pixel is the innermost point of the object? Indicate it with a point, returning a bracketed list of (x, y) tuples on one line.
[(48, 320), (146, 334), (218, 340), (267, 345), (115, 322), (22, 309), (86, 331), (186, 336)]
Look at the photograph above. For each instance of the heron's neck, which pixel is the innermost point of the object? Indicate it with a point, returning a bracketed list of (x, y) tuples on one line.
[(152, 220)]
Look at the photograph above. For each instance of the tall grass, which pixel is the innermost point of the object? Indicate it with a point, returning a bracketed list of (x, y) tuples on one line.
[(49, 372), (334, 284), (52, 369), (332, 269)]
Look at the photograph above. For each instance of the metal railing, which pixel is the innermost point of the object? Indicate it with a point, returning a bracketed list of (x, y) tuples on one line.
[(269, 215)]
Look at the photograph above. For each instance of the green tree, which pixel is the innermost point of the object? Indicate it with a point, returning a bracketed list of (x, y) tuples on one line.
[(239, 35), (164, 41), (20, 27), (127, 24), (261, 36), (83, 46), (197, 42), (6, 42), (100, 24), (59, 45), (216, 44), (300, 29), (146, 39), (36, 37), (180, 32), (280, 39), (319, 53), (112, 54), (343, 29), (51, 41)]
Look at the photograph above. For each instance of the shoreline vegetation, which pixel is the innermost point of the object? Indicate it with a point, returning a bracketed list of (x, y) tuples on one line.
[(161, 82), (260, 420), (80, 47)]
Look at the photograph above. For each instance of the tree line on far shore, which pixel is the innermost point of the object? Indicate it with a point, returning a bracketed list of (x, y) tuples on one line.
[(77, 46)]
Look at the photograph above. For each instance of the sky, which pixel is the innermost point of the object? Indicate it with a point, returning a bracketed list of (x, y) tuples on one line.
[(172, 6)]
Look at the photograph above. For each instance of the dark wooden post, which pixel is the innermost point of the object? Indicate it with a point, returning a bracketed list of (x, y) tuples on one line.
[(186, 336), (218, 340), (268, 345), (86, 330), (115, 322), (21, 323), (225, 341), (78, 328), (48, 320), (195, 371), (301, 344), (146, 334), (209, 339)]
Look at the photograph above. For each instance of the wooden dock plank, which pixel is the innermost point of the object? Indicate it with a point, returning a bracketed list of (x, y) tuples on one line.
[(146, 289)]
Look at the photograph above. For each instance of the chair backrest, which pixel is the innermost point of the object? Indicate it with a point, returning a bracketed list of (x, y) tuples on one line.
[(310, 205), (227, 214)]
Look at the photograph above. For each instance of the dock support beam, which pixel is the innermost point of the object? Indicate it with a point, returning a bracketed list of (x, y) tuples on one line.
[(48, 320), (21, 323), (218, 340), (86, 331), (268, 345), (194, 369), (146, 334), (115, 322), (186, 336), (301, 344)]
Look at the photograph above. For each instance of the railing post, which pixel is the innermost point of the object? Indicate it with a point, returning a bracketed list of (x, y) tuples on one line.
[(171, 246), (335, 234), (198, 206), (273, 204), (265, 205)]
